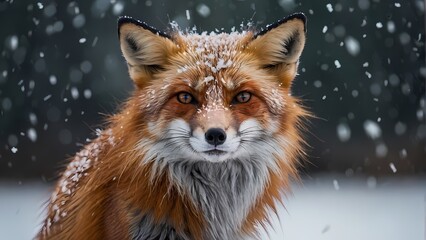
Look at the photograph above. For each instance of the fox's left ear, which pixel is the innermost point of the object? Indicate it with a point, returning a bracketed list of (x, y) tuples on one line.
[(146, 50), (280, 45)]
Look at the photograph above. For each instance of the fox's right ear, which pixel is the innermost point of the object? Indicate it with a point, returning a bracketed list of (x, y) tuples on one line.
[(145, 49), (279, 46)]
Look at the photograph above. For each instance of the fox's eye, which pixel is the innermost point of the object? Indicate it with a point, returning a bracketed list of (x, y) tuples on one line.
[(242, 97), (185, 98)]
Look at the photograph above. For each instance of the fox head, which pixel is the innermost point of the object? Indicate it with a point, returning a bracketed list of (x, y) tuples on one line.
[(215, 97)]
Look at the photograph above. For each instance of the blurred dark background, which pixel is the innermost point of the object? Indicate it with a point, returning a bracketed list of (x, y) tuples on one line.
[(362, 74)]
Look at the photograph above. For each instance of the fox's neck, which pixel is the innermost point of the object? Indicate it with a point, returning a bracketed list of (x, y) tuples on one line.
[(223, 195), (224, 192)]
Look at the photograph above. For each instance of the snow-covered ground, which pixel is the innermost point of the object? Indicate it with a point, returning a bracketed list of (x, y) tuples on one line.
[(323, 208), (21, 209), (389, 209)]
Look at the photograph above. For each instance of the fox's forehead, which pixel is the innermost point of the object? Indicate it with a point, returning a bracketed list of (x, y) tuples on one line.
[(207, 45), (208, 58)]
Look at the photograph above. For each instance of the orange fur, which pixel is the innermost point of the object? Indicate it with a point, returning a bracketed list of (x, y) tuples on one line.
[(107, 187)]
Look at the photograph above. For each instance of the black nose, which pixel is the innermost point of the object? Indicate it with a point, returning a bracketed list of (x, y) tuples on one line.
[(215, 136)]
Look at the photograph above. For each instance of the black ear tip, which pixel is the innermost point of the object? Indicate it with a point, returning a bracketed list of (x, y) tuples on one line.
[(122, 20), (126, 19), (299, 15)]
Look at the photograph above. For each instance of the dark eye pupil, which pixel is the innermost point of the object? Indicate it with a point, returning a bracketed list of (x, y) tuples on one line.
[(184, 97), (243, 97)]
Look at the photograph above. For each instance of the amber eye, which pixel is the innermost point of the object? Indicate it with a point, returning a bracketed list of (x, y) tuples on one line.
[(242, 97), (185, 98)]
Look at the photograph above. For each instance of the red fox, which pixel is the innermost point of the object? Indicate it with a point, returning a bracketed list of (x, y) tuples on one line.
[(205, 146)]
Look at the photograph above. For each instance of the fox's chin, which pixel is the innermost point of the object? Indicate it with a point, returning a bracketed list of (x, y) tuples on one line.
[(216, 156)]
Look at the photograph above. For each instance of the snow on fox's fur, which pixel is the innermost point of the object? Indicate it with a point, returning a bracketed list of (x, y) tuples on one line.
[(203, 149)]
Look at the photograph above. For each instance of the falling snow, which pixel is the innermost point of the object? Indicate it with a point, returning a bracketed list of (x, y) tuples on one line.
[(392, 167), (329, 7), (53, 80), (13, 42), (337, 64), (47, 97), (403, 153), (336, 184), (352, 45), (14, 149), (368, 74), (391, 27), (118, 8), (32, 134), (381, 150), (74, 93), (188, 16), (203, 10), (343, 132), (372, 129), (87, 93)]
